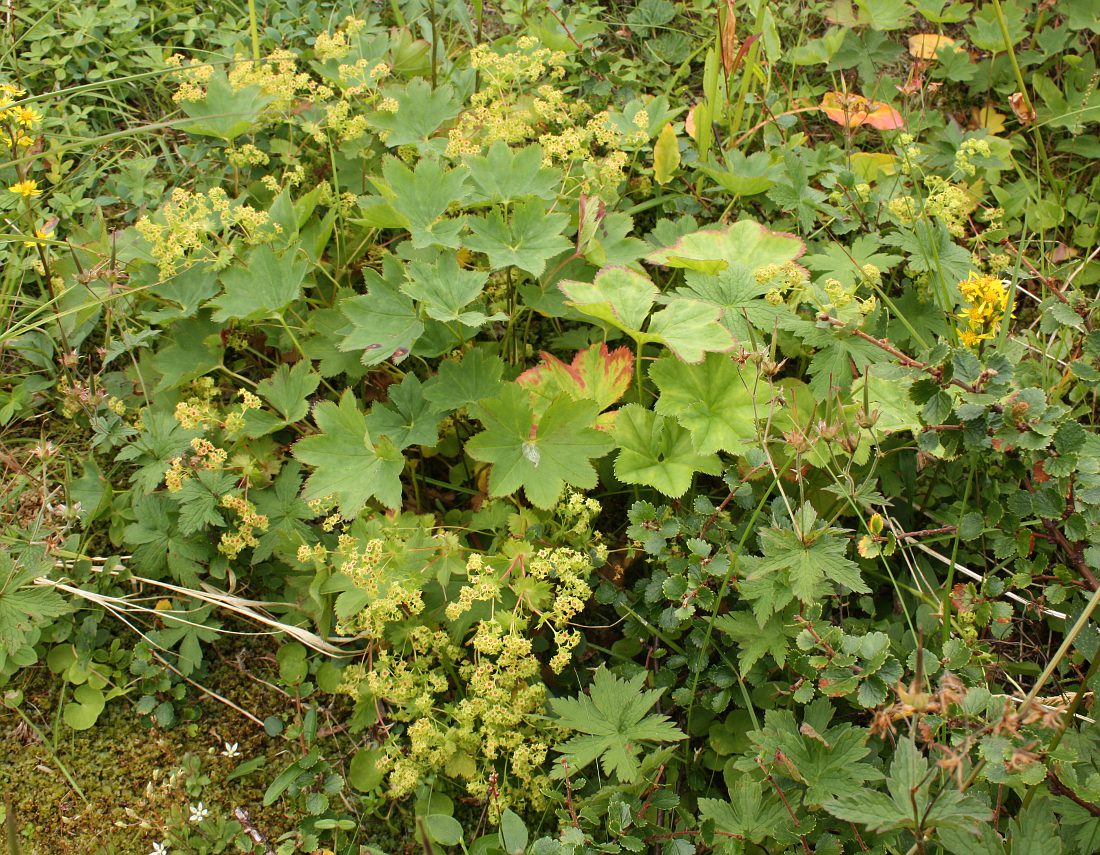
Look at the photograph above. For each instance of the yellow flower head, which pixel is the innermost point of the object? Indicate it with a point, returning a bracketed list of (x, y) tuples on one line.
[(26, 189), (28, 117)]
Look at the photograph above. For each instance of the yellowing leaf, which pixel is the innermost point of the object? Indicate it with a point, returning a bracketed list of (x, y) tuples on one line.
[(927, 45), (666, 154), (990, 119), (870, 165)]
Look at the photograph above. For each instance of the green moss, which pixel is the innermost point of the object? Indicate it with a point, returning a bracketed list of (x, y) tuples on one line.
[(130, 774)]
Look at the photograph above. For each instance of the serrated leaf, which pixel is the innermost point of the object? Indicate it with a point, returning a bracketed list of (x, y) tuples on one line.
[(911, 803), (812, 565), (718, 402), (421, 109), (261, 288), (383, 322), (287, 391), (526, 240), (750, 814), (459, 383), (421, 197), (24, 605), (346, 464), (595, 373), (444, 289), (754, 641), (657, 452), (541, 458), (745, 245), (618, 296), (225, 112), (614, 717), (504, 174), (411, 420), (690, 329)]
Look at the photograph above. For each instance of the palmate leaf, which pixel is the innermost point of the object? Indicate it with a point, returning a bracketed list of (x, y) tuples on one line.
[(808, 567), (24, 606), (752, 813), (225, 112), (720, 266), (828, 761), (411, 420), (527, 240), (421, 109), (504, 174), (347, 465), (614, 719), (911, 802), (845, 264), (754, 641), (287, 392), (742, 246), (595, 373), (717, 401), (286, 514), (384, 321), (618, 296), (541, 458), (444, 289), (261, 288), (690, 329), (657, 452), (461, 383), (422, 196)]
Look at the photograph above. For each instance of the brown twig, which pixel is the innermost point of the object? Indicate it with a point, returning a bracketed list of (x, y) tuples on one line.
[(250, 829), (1055, 785)]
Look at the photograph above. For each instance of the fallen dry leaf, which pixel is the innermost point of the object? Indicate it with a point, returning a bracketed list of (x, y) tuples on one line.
[(853, 111), (926, 45)]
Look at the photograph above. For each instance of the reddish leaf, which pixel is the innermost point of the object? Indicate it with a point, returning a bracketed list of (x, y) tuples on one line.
[(595, 373)]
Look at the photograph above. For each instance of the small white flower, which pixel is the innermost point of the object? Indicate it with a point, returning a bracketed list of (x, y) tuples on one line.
[(231, 750), (198, 812), (159, 849)]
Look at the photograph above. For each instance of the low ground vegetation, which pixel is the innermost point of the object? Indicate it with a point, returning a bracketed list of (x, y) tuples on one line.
[(550, 428)]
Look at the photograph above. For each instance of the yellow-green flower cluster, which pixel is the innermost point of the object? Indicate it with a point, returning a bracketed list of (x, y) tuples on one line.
[(951, 203), (986, 299), (969, 149), (185, 225), (473, 711), (248, 523), (513, 106)]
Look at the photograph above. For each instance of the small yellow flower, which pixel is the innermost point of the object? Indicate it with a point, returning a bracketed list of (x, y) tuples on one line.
[(26, 189), (28, 117), (40, 235)]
